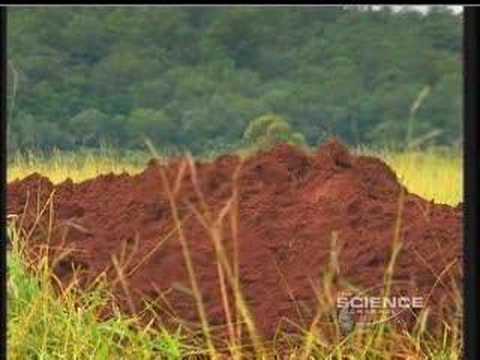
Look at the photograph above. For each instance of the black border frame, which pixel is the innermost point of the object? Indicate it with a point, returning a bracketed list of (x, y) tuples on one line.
[(3, 180), (471, 180)]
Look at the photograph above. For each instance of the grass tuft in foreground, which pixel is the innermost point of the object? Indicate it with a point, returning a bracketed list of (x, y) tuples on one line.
[(43, 324)]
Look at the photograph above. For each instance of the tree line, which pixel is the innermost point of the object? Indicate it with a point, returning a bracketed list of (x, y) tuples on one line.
[(198, 77)]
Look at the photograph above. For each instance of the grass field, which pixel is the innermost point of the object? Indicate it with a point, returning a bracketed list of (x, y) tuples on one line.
[(42, 325), (433, 174)]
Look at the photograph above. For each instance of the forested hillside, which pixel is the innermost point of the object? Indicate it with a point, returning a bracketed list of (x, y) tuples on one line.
[(195, 78)]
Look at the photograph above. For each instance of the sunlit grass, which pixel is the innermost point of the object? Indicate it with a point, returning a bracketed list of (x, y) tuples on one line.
[(45, 324), (78, 166), (432, 174)]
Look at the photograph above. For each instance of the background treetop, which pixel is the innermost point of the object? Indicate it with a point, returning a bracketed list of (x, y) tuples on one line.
[(193, 78)]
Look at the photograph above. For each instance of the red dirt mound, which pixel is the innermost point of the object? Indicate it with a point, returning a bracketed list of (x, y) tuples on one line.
[(290, 206)]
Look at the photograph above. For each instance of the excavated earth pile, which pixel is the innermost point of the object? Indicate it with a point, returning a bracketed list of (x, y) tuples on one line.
[(281, 217)]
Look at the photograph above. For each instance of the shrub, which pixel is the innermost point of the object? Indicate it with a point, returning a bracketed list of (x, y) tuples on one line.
[(271, 129)]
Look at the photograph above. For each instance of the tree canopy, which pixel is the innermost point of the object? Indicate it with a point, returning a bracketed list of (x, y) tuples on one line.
[(194, 77)]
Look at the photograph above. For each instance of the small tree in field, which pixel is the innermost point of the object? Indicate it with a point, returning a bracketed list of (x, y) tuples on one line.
[(268, 130)]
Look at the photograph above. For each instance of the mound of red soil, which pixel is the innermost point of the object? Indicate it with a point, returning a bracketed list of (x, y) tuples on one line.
[(289, 206)]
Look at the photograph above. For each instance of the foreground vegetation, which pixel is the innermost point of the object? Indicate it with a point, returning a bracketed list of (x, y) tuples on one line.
[(43, 325)]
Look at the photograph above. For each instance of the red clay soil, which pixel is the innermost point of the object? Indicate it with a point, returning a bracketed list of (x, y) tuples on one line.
[(289, 205)]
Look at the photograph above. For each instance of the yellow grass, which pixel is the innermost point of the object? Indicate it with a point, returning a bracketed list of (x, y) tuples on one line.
[(430, 174), (78, 166), (436, 175)]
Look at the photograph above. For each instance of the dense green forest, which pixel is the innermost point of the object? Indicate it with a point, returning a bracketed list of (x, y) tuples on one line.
[(196, 78)]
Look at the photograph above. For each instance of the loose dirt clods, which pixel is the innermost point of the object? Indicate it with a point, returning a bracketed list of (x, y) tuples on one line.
[(287, 207)]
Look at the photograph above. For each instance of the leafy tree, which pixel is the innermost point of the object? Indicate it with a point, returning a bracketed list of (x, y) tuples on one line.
[(86, 127), (271, 129), (152, 124), (194, 77)]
